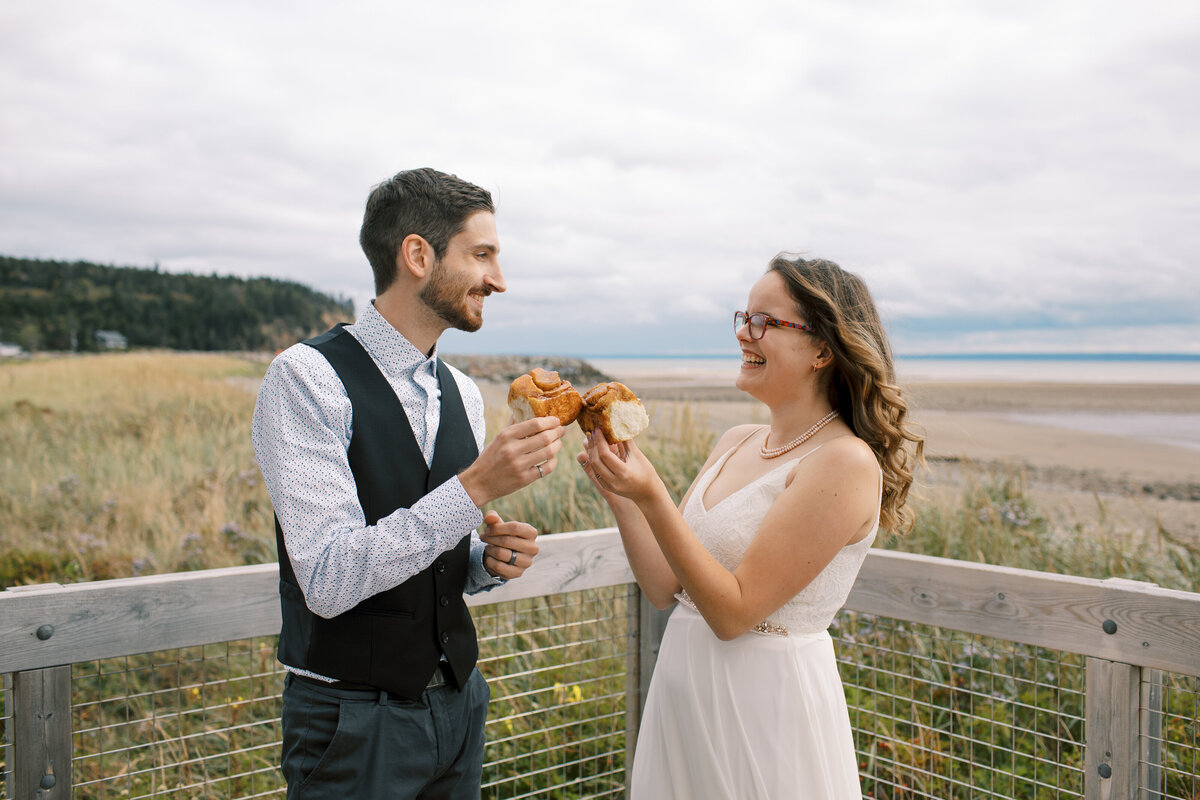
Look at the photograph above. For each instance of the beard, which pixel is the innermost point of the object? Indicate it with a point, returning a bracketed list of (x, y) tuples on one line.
[(447, 297)]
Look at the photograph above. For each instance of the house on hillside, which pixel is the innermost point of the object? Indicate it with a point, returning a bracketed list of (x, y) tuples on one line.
[(111, 340)]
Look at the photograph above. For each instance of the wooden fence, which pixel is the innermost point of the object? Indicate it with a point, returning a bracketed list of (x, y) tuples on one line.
[(1129, 632)]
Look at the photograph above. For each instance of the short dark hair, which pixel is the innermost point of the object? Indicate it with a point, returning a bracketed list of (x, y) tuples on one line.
[(431, 204)]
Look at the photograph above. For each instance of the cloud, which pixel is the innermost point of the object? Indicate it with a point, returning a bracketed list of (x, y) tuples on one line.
[(986, 168)]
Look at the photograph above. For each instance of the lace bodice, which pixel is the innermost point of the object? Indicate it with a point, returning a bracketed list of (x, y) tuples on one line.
[(727, 529)]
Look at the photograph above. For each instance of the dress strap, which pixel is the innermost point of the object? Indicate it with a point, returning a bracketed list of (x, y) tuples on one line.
[(743, 440), (719, 464)]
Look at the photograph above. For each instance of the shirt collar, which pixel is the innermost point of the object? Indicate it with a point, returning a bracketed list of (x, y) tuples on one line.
[(394, 354)]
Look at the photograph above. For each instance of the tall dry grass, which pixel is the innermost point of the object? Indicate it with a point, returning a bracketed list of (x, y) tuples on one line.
[(994, 521), (126, 464), (136, 463), (132, 463), (116, 465), (677, 443)]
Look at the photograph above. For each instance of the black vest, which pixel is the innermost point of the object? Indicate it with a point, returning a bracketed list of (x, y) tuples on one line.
[(394, 639)]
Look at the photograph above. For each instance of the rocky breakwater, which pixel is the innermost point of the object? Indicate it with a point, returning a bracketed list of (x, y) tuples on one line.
[(506, 369)]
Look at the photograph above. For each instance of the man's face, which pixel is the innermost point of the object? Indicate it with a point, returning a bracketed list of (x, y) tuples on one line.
[(467, 273)]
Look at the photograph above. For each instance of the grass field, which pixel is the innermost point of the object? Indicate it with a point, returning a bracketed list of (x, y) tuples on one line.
[(120, 465), (138, 463)]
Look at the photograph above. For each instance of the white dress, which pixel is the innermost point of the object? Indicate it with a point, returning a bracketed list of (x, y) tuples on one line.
[(761, 716)]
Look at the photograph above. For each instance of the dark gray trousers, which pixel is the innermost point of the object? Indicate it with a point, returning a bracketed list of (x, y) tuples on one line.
[(340, 743)]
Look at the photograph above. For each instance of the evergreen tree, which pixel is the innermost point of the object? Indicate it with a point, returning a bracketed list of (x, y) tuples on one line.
[(56, 305)]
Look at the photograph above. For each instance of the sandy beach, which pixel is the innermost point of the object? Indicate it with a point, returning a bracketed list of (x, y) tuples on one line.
[(1105, 476), (1104, 481), (1116, 478)]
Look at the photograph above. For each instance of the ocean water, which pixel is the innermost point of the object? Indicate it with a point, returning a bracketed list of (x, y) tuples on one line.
[(1053, 369), (721, 371), (675, 371), (1180, 430)]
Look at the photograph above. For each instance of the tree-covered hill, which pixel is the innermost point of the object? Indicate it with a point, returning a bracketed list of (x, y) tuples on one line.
[(55, 305)]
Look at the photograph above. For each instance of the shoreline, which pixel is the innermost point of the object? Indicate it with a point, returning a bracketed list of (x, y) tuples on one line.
[(1084, 479), (1087, 478)]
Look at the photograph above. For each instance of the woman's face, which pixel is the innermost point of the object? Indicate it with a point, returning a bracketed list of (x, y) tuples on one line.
[(775, 365)]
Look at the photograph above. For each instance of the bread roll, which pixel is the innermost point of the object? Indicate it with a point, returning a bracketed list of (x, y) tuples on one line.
[(615, 410), (541, 393)]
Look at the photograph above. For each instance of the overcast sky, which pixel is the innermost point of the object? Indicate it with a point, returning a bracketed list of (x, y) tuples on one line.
[(1006, 176)]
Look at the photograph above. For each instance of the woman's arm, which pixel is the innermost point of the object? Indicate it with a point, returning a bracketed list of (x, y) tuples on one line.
[(650, 569), (653, 573), (830, 501)]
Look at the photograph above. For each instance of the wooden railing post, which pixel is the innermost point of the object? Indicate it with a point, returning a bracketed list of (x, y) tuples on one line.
[(647, 624), (1110, 763), (1152, 734), (41, 721), (40, 734), (633, 660)]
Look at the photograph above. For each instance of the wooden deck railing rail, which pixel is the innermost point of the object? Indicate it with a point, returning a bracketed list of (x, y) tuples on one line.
[(1126, 630)]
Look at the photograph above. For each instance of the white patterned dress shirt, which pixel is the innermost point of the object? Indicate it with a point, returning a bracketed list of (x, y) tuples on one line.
[(301, 433)]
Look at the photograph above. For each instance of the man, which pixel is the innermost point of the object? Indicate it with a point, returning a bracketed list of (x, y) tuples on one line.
[(372, 450)]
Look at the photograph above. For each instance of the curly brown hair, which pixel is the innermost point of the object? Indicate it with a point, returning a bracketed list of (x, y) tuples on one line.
[(861, 379)]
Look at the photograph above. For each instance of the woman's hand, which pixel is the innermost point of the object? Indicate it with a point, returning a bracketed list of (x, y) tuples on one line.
[(650, 567), (620, 469)]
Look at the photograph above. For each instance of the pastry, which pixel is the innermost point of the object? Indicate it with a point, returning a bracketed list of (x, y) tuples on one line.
[(615, 410), (541, 393)]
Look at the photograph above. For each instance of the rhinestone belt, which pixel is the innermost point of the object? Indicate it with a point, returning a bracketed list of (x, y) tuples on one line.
[(764, 627)]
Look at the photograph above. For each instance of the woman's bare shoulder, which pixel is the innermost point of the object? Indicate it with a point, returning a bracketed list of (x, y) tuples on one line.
[(851, 451), (840, 458)]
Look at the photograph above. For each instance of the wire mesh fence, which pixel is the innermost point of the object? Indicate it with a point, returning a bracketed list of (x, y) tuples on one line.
[(1169, 755), (937, 713), (195, 722), (204, 721), (943, 714), (557, 667)]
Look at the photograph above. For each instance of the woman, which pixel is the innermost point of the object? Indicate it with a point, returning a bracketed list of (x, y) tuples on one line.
[(746, 701)]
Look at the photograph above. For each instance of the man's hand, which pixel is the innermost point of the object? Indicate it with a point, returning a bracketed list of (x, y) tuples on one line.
[(521, 454), (510, 546)]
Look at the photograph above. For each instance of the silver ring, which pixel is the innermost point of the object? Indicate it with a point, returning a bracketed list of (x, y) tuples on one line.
[(512, 562), (539, 469)]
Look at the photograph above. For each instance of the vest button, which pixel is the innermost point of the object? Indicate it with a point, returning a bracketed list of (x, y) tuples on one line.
[(445, 638), (440, 565), (445, 601)]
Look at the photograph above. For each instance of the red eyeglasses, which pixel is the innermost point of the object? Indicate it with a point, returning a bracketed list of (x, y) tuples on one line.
[(758, 323)]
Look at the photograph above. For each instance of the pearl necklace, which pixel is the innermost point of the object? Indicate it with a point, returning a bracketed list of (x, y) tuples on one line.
[(775, 452)]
